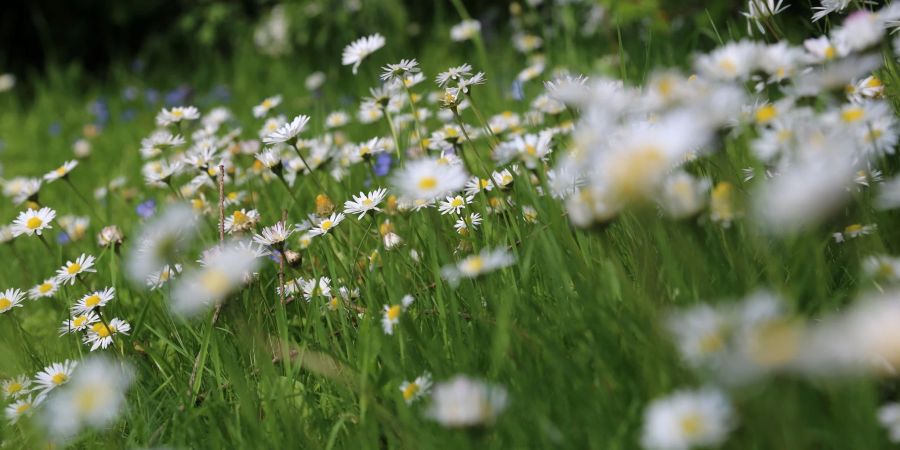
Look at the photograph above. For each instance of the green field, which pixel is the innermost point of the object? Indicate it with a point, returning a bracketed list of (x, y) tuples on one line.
[(588, 317)]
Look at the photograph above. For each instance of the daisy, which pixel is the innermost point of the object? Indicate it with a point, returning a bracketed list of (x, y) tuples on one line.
[(889, 418), (168, 117), (464, 402), (316, 288), (288, 131), (69, 272), (94, 300), (465, 30), (400, 70), (325, 225), (336, 119), (46, 289), (110, 236), (61, 171), (827, 7), (53, 376), (223, 270), (19, 408), (359, 49), (428, 179), (263, 108), (760, 10), (241, 220), (391, 313), (16, 387), (364, 203), (453, 74), (686, 419), (100, 335), (476, 185), (93, 398), (854, 231), (10, 298), (416, 389), (270, 159), (474, 265), (454, 204), (275, 235), (159, 278), (78, 323), (463, 225), (33, 222)]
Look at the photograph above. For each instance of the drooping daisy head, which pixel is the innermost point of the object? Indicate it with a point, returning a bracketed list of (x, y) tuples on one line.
[(358, 50), (61, 171)]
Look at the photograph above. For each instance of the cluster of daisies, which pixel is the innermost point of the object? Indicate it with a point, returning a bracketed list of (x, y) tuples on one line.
[(814, 115)]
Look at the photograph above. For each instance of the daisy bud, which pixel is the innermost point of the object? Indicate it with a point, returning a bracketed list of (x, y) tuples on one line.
[(110, 236)]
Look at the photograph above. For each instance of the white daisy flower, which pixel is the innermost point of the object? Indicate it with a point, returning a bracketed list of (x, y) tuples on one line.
[(177, 114), (159, 278), (275, 235), (416, 389), (359, 49), (70, 271), (47, 288), (78, 323), (288, 131), (263, 108), (474, 265), (323, 226), (465, 30), (223, 271), (93, 398), (20, 408), (161, 241), (428, 179), (391, 313), (53, 376), (60, 172), (33, 222), (10, 298), (686, 419), (453, 74), (364, 203), (454, 204), (110, 236), (889, 418), (400, 70), (16, 387), (465, 402), (463, 225), (241, 220), (93, 300), (336, 119), (316, 288), (100, 335)]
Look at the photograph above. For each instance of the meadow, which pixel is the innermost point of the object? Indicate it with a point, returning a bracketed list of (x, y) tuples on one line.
[(563, 231)]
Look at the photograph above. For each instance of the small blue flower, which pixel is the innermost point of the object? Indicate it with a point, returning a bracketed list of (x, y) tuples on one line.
[(518, 90), (63, 238), (383, 164), (146, 209), (54, 129)]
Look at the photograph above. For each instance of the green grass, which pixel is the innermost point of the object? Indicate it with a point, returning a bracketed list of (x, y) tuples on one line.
[(572, 330)]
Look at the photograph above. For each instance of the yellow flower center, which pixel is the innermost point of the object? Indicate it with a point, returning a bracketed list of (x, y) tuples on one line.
[(326, 225), (73, 268), (873, 83), (92, 301), (473, 265), (267, 103), (855, 228), (14, 388), (775, 342), (34, 223), (712, 342), (766, 113), (45, 288), (104, 331), (728, 66), (829, 52), (456, 202), (410, 390), (393, 313), (367, 202), (239, 218), (427, 183), (215, 282), (5, 304), (79, 321), (59, 378), (530, 149), (177, 113), (61, 171), (23, 408), (691, 424), (852, 114)]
